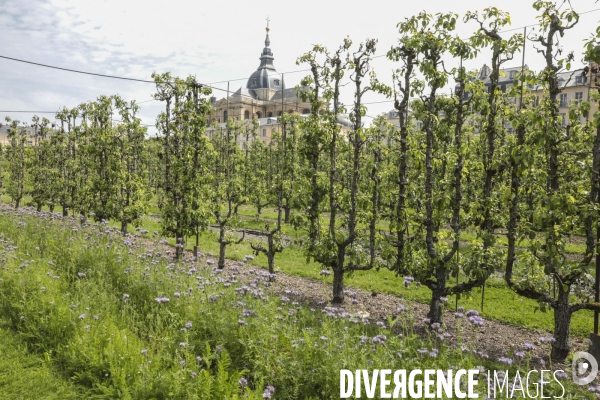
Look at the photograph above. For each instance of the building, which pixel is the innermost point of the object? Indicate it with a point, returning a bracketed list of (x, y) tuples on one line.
[(264, 98), (575, 86), (5, 129)]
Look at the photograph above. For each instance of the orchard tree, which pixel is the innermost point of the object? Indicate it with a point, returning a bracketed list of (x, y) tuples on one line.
[(133, 192), (560, 207), (184, 146), (227, 185), (42, 173), (485, 214), (443, 119), (16, 161), (337, 244)]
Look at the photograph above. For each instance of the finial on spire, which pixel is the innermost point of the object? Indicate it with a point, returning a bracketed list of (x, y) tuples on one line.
[(268, 24)]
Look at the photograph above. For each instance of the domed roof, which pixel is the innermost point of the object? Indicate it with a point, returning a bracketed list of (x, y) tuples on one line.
[(266, 77)]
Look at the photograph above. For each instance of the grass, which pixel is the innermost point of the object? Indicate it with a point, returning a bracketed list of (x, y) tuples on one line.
[(85, 302), (500, 303), (26, 375)]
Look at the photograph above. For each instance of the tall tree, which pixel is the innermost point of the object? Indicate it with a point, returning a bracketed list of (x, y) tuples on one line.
[(15, 158)]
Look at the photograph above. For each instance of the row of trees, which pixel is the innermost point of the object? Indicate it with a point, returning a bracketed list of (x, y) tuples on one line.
[(499, 165)]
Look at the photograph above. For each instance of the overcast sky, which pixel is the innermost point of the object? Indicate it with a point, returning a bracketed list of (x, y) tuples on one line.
[(216, 41)]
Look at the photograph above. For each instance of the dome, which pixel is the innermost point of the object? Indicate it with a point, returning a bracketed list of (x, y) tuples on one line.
[(265, 77)]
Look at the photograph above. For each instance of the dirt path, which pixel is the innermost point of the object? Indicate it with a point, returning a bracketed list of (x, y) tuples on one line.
[(493, 339)]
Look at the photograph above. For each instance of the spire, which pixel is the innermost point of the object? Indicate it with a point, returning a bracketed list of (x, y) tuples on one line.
[(266, 58)]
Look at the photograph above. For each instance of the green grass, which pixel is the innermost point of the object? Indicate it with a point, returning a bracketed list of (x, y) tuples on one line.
[(84, 302), (28, 376), (500, 303)]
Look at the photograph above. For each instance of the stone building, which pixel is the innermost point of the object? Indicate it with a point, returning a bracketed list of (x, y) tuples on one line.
[(264, 98)]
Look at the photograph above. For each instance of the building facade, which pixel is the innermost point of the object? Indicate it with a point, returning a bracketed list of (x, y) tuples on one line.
[(264, 97)]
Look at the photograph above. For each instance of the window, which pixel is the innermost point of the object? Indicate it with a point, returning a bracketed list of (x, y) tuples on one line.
[(279, 114), (264, 132), (563, 117), (563, 100), (578, 97), (580, 80), (253, 83), (276, 82), (269, 114), (225, 116), (305, 111), (512, 74), (246, 114), (258, 114), (537, 101), (419, 125)]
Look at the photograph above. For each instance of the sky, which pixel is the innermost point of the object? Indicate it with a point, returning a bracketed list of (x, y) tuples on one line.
[(216, 41)]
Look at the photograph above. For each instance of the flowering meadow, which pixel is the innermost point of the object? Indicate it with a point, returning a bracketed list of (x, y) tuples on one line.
[(101, 315)]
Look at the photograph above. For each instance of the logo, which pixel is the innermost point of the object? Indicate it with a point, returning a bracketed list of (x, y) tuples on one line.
[(582, 363)]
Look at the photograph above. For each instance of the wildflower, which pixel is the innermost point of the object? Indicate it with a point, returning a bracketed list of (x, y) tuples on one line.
[(561, 374), (506, 360), (459, 314), (182, 362), (125, 297), (323, 338), (182, 344), (82, 316), (243, 382), (193, 374), (144, 352), (379, 339), (269, 390), (177, 295), (198, 359), (325, 272), (241, 322), (81, 274), (444, 299), (95, 317), (476, 320), (188, 325), (401, 309), (435, 326), (472, 313), (528, 346), (547, 340), (408, 280), (520, 354)]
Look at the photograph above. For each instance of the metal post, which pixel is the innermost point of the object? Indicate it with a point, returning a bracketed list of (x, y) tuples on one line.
[(597, 286)]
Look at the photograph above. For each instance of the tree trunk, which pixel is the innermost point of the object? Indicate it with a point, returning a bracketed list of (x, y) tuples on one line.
[(39, 207), (338, 285), (222, 247), (562, 327), (179, 247), (286, 217), (436, 307), (65, 212), (51, 207), (271, 261), (17, 202), (124, 227)]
